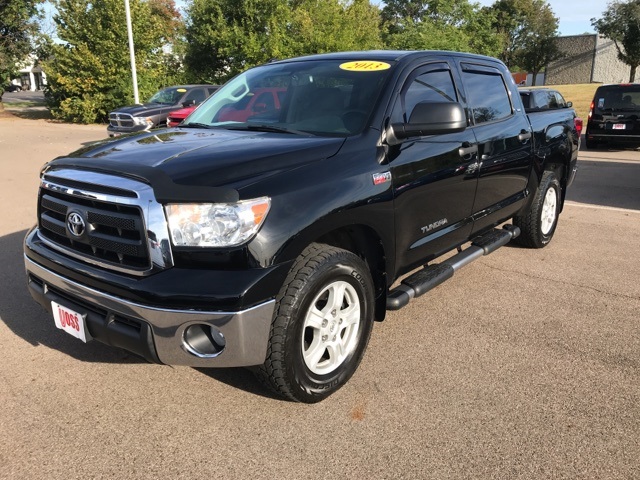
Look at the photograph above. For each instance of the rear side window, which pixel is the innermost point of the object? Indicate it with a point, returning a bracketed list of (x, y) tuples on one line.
[(617, 97), (560, 99), (488, 95)]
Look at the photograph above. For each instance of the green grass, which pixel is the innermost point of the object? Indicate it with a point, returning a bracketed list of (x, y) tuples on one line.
[(24, 104)]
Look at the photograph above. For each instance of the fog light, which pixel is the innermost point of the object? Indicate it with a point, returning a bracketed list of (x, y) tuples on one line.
[(203, 340)]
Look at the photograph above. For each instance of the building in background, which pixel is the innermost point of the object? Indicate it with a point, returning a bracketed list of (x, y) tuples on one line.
[(588, 58), (31, 77)]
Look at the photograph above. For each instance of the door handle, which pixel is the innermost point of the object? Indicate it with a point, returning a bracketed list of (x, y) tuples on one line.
[(524, 136), (467, 150)]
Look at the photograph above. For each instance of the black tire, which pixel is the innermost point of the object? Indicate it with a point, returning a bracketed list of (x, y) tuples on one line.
[(317, 274), (591, 144), (539, 223)]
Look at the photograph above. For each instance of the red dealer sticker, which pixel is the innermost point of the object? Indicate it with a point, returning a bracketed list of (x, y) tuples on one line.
[(380, 178), (71, 322)]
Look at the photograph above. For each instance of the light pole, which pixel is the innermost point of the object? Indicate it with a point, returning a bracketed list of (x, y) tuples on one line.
[(132, 53)]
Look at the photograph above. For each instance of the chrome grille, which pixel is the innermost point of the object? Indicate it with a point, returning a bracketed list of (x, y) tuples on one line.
[(113, 234), (121, 120), (124, 232)]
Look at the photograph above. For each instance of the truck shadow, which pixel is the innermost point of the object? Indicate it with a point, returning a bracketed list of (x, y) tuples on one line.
[(607, 183), (29, 321), (240, 378)]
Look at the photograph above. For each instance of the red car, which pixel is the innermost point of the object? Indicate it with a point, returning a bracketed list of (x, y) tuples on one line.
[(178, 116), (260, 101)]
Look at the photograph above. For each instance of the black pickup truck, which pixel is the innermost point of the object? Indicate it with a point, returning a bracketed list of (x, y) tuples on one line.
[(273, 241)]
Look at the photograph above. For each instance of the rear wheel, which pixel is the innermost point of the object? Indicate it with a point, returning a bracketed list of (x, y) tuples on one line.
[(591, 144), (321, 325), (539, 223)]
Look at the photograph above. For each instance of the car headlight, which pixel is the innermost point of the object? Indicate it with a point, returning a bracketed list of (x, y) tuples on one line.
[(216, 224), (142, 121)]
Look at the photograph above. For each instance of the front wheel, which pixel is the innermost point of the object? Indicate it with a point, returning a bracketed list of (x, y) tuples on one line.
[(539, 222), (321, 326)]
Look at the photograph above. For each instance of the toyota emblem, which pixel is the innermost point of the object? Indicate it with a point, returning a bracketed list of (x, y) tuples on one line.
[(75, 224)]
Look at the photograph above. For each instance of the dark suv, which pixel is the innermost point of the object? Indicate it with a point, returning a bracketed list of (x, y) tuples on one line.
[(614, 116), (152, 114)]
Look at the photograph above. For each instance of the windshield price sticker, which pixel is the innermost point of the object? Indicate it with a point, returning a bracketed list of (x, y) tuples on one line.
[(365, 66), (71, 322)]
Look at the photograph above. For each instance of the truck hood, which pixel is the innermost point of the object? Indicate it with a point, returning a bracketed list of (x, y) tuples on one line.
[(200, 158), (146, 109)]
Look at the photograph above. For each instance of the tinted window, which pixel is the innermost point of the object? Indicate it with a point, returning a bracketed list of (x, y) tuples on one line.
[(488, 96), (526, 99), (615, 97), (434, 86), (560, 99), (197, 96)]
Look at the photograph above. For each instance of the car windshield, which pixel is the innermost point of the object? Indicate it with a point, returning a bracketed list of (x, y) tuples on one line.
[(318, 97), (168, 96), (618, 97)]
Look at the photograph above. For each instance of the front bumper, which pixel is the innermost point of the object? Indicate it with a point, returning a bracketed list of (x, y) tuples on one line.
[(117, 131), (157, 334)]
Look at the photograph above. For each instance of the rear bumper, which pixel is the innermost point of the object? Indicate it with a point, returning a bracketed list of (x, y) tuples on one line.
[(621, 139), (154, 333)]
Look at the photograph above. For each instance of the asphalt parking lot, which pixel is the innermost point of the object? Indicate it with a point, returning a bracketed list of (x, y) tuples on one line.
[(526, 365)]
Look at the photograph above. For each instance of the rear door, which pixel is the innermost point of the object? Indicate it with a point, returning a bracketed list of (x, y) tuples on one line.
[(434, 177), (504, 139)]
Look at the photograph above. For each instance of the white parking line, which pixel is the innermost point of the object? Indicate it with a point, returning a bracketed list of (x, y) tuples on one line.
[(600, 207)]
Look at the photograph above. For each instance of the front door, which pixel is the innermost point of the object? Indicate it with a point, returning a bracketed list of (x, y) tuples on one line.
[(434, 177)]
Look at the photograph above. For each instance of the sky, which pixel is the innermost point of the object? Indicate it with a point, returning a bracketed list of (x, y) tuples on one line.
[(574, 15)]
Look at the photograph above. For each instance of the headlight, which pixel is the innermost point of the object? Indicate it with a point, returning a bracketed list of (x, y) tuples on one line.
[(142, 121), (216, 224)]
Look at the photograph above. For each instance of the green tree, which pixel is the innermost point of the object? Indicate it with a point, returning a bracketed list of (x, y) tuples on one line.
[(621, 23), (225, 37), (89, 74), (539, 45), (527, 30), (438, 24), (18, 28), (319, 26)]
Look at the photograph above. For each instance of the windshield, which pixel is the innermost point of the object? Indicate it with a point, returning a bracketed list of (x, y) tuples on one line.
[(168, 96), (319, 97), (618, 97)]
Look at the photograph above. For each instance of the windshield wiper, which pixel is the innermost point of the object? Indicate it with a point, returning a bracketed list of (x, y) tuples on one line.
[(195, 125), (266, 128)]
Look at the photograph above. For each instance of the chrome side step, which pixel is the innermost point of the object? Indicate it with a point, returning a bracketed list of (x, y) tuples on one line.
[(433, 275)]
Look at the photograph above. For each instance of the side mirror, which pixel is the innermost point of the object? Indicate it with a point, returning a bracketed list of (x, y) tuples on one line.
[(188, 103), (569, 104), (432, 118)]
